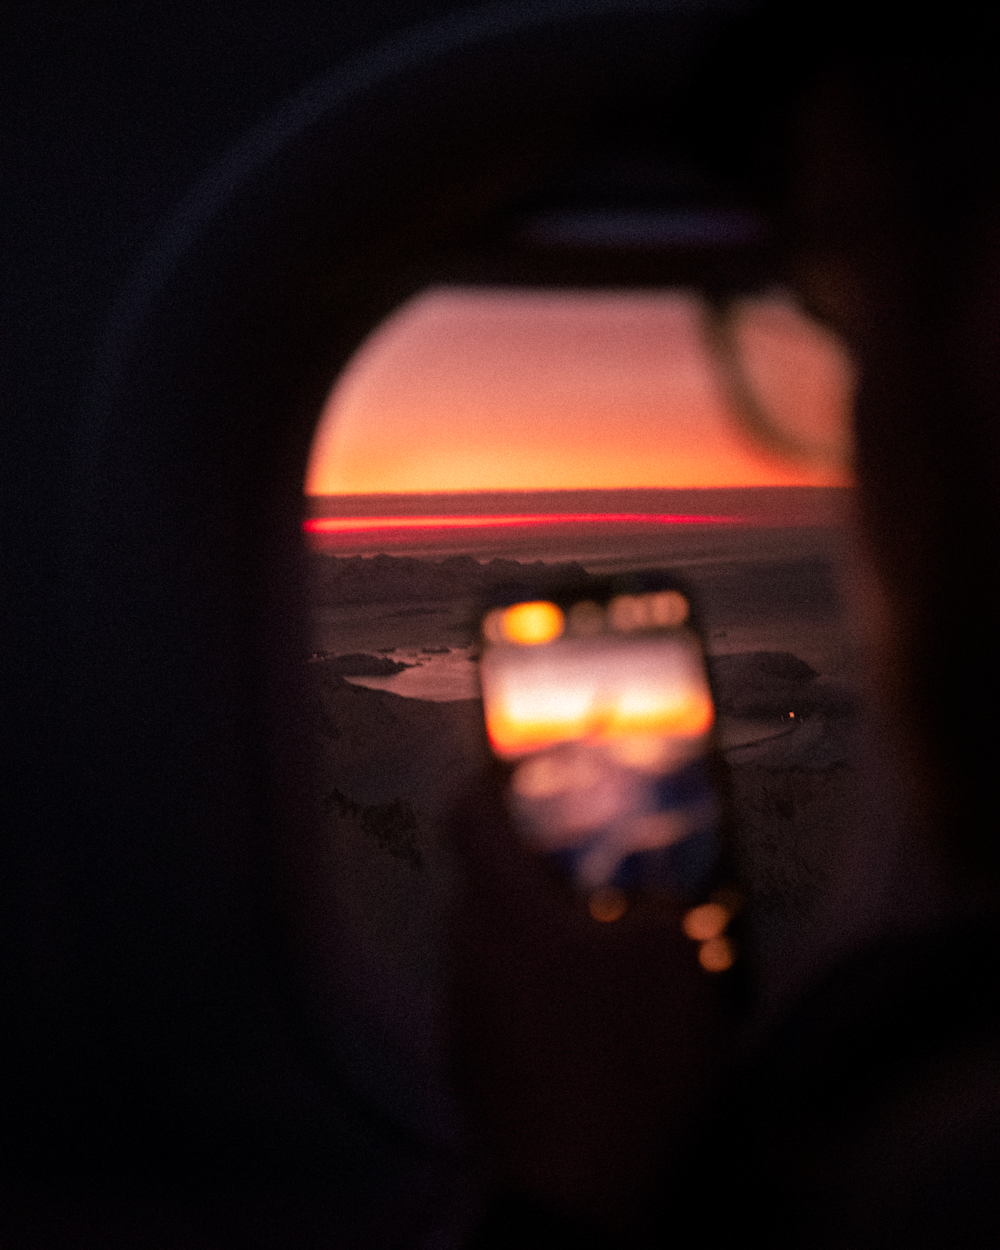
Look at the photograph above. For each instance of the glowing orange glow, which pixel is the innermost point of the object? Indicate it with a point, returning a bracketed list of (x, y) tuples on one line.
[(706, 922), (716, 955), (687, 715), (607, 905), (514, 729), (353, 525), (633, 612), (511, 734), (668, 608), (528, 624), (536, 697), (470, 390)]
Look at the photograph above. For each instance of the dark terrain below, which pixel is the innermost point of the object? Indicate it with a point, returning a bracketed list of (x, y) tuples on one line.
[(391, 769)]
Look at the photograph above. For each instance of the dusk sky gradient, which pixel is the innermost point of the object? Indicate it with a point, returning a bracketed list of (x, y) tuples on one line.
[(473, 390)]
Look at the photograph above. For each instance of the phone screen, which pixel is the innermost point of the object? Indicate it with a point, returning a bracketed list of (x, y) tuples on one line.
[(602, 707)]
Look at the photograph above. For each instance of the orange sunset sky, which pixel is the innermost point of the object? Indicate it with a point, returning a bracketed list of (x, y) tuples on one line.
[(469, 390)]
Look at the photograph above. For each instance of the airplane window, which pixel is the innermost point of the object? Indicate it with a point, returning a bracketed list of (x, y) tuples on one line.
[(482, 432)]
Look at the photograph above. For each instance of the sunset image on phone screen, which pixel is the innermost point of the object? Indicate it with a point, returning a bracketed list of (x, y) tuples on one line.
[(605, 712)]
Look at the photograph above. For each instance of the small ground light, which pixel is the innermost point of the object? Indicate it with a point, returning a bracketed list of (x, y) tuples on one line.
[(669, 608), (703, 923), (716, 955), (706, 924), (607, 904), (664, 610), (527, 624)]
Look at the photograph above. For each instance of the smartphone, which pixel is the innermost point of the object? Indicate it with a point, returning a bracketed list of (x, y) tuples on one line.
[(597, 699)]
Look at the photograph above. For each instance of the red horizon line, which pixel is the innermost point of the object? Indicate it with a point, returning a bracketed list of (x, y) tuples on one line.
[(347, 525)]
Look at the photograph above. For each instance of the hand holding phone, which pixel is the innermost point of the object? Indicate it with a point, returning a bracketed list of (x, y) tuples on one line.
[(586, 1047)]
